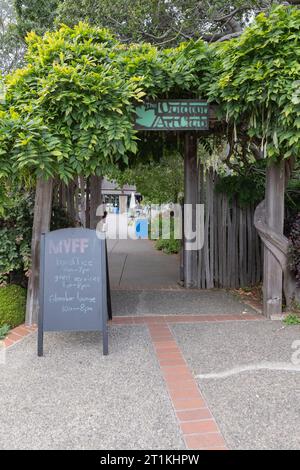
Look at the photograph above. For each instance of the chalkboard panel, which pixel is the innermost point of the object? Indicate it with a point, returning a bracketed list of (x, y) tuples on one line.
[(73, 289)]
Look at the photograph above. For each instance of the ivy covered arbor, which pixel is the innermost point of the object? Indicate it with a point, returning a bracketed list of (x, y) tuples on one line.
[(70, 111)]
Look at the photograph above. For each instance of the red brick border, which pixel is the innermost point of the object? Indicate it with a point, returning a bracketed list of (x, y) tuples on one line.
[(195, 420), (17, 334)]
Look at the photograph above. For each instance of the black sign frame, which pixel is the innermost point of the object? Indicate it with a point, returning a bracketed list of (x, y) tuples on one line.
[(105, 304)]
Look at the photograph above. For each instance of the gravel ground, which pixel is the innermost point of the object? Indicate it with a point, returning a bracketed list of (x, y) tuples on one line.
[(75, 398), (256, 409)]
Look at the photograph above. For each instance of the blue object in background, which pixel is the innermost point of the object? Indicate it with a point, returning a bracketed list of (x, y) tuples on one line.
[(141, 228)]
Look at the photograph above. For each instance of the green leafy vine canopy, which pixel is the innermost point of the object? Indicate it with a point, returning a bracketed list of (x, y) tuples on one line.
[(70, 110)]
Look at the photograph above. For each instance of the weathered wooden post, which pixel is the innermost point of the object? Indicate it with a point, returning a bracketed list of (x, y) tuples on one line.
[(190, 201), (87, 201), (123, 203), (41, 224), (82, 201), (273, 275), (95, 199)]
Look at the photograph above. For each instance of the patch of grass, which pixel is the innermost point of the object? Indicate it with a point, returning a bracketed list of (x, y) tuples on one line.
[(12, 305), (292, 319), (3, 331), (168, 246)]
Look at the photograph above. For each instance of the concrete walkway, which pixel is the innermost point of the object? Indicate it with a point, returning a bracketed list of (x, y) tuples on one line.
[(136, 264), (144, 281)]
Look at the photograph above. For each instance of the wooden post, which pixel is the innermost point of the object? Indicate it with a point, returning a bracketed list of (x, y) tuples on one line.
[(95, 199), (71, 200), (273, 282), (82, 201), (41, 224), (87, 202), (123, 203), (190, 197)]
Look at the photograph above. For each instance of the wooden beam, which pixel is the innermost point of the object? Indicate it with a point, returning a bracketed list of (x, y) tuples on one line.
[(273, 277), (190, 198)]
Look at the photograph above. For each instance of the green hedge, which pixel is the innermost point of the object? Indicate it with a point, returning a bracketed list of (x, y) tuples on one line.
[(12, 305)]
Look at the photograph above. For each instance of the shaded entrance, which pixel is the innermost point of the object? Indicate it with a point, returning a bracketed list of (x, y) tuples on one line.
[(144, 282)]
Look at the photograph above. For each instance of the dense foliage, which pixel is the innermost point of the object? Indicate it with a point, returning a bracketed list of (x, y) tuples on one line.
[(35, 15), (11, 44), (164, 23), (295, 248), (158, 182), (12, 305), (257, 84), (15, 235), (70, 110), (16, 218), (247, 187)]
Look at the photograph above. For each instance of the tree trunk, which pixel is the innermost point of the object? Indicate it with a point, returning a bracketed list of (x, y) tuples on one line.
[(273, 278), (41, 224), (95, 199), (190, 203)]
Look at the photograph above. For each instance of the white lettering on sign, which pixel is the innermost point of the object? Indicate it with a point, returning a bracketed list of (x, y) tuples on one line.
[(69, 245)]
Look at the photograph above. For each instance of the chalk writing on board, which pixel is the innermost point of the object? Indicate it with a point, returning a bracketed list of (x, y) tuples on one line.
[(73, 283), (73, 276), (70, 245)]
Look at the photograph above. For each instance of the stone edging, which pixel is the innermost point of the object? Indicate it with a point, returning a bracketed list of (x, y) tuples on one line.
[(17, 334)]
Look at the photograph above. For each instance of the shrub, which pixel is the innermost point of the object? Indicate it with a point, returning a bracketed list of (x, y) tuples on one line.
[(16, 218), (292, 319), (15, 236), (4, 331), (12, 305), (295, 248)]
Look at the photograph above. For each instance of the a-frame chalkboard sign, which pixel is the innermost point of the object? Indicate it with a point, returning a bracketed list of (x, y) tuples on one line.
[(73, 283)]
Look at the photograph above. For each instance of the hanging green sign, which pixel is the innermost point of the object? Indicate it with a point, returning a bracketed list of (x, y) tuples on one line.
[(173, 115)]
